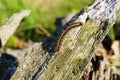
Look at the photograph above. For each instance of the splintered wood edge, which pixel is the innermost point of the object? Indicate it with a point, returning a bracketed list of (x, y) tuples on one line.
[(10, 26)]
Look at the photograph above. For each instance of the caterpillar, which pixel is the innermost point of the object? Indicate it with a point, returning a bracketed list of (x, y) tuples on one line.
[(73, 25)]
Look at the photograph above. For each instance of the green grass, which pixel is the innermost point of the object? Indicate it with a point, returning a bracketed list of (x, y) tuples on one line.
[(111, 34)]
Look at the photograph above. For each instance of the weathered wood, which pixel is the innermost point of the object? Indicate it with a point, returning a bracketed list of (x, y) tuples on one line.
[(76, 49), (8, 63), (10, 26), (79, 45)]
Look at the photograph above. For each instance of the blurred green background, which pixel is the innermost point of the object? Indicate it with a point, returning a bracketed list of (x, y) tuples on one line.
[(40, 23)]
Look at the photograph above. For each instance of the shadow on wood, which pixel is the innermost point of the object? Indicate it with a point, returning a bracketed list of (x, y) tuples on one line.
[(8, 65)]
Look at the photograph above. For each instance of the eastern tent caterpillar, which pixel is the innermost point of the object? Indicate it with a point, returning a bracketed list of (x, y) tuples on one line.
[(77, 24)]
